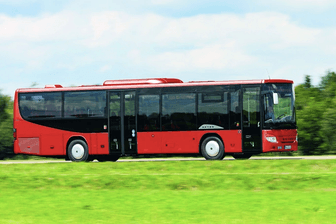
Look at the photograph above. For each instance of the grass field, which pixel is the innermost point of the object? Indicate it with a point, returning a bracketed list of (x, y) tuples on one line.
[(250, 191)]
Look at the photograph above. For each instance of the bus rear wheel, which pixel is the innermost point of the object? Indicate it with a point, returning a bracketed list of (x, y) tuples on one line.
[(78, 151), (212, 148)]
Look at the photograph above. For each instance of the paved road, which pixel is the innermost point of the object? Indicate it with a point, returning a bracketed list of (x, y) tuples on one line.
[(174, 159)]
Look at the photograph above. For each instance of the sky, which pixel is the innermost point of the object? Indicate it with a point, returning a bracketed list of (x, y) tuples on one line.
[(82, 42)]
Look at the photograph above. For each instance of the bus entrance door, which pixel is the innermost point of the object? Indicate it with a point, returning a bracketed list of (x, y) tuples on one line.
[(251, 130), (122, 128)]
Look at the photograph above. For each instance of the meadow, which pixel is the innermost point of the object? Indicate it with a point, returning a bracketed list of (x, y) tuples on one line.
[(230, 191)]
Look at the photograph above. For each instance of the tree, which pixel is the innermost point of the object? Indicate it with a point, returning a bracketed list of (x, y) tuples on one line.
[(328, 125), (316, 115), (328, 121), (6, 124), (3, 105), (327, 80), (309, 112), (307, 81)]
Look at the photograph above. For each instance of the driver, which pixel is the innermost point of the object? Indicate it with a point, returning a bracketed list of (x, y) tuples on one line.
[(270, 113)]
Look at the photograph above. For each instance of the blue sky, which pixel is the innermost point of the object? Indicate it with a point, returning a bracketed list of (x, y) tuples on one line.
[(79, 42)]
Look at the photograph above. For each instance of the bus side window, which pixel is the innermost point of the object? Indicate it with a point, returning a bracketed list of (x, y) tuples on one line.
[(213, 109), (148, 114), (79, 104), (179, 111), (40, 105)]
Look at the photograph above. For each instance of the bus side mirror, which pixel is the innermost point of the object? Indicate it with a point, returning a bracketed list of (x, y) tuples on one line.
[(275, 99)]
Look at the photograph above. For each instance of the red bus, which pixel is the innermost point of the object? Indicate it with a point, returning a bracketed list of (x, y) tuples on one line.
[(156, 116)]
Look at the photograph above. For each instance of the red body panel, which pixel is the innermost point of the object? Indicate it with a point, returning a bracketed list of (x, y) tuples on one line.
[(49, 141), (45, 141), (284, 138), (185, 141)]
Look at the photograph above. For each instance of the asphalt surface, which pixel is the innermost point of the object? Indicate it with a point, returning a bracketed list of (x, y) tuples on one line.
[(174, 159)]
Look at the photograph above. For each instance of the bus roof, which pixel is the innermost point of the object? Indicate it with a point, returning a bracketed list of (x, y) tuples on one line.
[(148, 83)]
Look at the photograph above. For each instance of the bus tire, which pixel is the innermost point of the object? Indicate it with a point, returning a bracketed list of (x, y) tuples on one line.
[(78, 151), (67, 158), (212, 148)]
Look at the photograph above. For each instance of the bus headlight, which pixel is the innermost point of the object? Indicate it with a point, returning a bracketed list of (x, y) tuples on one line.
[(271, 139)]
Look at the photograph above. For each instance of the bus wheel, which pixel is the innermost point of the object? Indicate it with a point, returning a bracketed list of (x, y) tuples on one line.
[(78, 151), (212, 148), (242, 156)]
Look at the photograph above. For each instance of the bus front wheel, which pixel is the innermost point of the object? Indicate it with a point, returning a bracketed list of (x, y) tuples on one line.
[(212, 148), (78, 151)]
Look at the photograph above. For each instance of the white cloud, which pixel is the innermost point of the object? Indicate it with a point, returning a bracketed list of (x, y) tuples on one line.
[(48, 27), (105, 68), (107, 27), (114, 41), (213, 57), (253, 28)]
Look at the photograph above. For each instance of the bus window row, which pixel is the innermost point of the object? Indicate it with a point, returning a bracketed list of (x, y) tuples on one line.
[(180, 112), (76, 104)]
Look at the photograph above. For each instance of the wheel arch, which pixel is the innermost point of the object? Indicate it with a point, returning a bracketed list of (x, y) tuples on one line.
[(76, 138), (209, 135)]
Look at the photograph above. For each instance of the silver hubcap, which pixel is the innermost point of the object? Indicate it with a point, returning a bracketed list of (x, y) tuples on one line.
[(77, 151), (212, 148)]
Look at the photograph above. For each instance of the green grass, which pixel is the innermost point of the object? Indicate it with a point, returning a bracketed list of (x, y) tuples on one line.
[(250, 191)]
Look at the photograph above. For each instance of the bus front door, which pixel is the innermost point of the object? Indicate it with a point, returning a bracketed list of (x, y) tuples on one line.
[(251, 130), (122, 127)]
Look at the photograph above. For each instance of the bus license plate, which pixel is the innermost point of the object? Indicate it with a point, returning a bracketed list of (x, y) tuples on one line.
[(288, 146)]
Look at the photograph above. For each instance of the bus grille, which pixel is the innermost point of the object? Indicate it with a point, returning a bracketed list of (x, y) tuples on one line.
[(287, 139)]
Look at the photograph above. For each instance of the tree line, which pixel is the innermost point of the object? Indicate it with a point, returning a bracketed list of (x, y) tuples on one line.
[(6, 125), (316, 115), (315, 108)]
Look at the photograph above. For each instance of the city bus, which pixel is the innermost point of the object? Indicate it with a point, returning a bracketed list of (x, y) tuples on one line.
[(156, 116)]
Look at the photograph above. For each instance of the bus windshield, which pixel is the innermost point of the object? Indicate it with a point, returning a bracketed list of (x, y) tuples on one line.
[(279, 111)]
